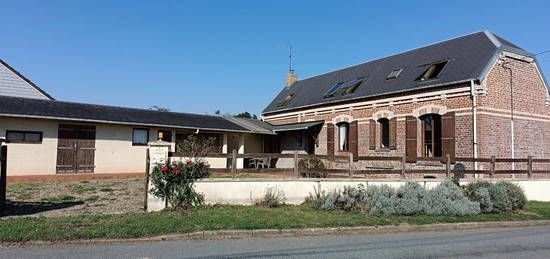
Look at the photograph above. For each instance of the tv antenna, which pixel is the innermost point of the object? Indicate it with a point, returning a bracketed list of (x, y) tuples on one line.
[(289, 46)]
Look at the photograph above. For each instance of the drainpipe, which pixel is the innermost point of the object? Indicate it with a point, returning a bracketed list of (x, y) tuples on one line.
[(474, 124), (511, 114)]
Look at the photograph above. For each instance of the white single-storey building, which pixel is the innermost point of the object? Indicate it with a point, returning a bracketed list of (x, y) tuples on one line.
[(48, 137)]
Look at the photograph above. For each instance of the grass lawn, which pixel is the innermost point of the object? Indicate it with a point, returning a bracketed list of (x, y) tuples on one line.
[(61, 199), (221, 217)]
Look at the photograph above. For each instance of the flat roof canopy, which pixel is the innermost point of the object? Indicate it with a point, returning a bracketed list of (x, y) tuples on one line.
[(297, 126)]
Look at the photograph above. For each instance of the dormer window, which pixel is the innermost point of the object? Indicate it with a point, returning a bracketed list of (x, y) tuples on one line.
[(394, 73), (433, 71), (286, 101)]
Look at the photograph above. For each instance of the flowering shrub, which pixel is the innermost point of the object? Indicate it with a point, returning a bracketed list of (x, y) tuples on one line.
[(447, 199), (348, 199), (378, 200), (496, 197), (410, 199), (174, 182)]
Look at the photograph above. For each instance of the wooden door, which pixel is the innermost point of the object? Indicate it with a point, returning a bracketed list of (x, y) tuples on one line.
[(75, 149)]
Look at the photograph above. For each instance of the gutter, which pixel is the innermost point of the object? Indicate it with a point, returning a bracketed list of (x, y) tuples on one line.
[(293, 129), (119, 123)]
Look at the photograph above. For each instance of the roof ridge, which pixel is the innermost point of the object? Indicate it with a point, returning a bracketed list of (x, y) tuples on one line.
[(399, 53)]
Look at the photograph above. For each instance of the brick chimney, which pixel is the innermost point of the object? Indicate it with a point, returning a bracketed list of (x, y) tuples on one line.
[(291, 78)]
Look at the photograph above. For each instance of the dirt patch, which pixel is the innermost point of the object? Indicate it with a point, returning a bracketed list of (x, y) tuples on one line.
[(108, 196)]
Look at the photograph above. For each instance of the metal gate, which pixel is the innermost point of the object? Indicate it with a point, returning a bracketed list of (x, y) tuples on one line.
[(3, 173)]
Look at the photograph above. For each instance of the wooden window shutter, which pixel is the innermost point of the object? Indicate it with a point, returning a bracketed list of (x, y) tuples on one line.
[(448, 134), (410, 145), (330, 139), (353, 139), (372, 134), (393, 133)]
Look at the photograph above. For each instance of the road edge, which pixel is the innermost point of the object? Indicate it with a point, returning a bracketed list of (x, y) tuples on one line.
[(280, 233)]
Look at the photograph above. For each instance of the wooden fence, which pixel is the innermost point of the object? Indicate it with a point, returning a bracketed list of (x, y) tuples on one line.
[(351, 171)]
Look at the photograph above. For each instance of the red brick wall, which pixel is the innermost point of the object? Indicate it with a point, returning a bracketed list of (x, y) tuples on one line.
[(531, 114), (463, 124)]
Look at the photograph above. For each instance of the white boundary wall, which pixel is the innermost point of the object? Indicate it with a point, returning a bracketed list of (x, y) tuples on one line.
[(248, 191)]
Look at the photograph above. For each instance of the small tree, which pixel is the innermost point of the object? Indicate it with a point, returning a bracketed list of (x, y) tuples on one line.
[(197, 147), (175, 181), (246, 115)]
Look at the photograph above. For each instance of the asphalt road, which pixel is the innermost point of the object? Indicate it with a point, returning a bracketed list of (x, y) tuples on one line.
[(533, 242)]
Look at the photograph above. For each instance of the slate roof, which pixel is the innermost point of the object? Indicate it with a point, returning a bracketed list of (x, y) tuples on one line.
[(469, 58), (13, 83), (50, 109)]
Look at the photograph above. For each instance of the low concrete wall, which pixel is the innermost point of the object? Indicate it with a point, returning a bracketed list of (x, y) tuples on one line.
[(248, 191)]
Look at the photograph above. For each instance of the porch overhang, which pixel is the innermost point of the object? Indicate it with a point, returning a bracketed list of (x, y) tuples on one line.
[(297, 126)]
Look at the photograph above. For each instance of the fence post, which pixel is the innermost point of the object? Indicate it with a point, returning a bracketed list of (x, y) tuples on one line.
[(448, 165), (296, 169), (530, 166), (147, 172), (350, 165), (493, 165), (403, 165), (234, 163)]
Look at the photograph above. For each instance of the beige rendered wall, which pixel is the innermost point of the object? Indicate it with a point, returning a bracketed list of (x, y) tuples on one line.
[(114, 150), (31, 159)]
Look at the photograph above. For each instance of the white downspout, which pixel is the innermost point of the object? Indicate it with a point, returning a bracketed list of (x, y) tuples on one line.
[(513, 146), (474, 124)]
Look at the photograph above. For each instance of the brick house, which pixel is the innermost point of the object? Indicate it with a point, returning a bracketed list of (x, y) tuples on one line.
[(477, 95)]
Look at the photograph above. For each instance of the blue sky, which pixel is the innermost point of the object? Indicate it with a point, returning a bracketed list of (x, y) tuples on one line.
[(201, 56)]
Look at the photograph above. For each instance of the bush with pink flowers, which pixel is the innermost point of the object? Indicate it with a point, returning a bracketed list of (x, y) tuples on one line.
[(175, 181)]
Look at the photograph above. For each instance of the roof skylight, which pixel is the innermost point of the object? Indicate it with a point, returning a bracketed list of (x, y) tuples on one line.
[(394, 73), (433, 71), (333, 90), (352, 85), (285, 101)]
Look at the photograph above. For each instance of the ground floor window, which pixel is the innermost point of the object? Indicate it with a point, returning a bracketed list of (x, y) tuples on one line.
[(16, 136), (140, 137), (384, 132), (431, 135), (343, 136)]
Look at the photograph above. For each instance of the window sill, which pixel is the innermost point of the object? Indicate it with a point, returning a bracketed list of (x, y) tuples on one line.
[(138, 145), (382, 150)]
